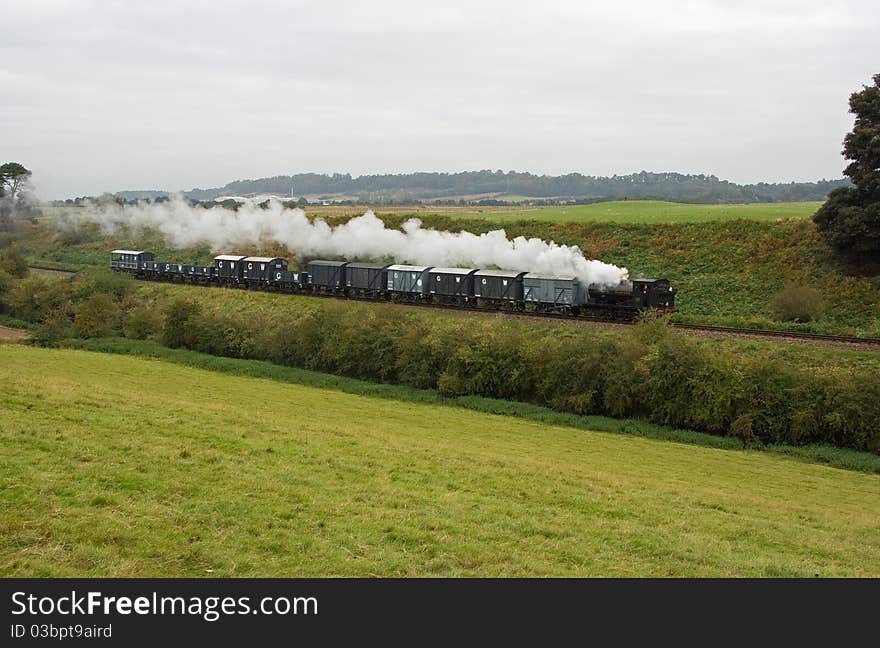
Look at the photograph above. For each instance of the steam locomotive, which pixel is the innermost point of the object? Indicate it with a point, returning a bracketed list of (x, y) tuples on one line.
[(451, 287)]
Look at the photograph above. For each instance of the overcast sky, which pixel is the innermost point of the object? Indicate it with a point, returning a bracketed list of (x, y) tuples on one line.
[(104, 96)]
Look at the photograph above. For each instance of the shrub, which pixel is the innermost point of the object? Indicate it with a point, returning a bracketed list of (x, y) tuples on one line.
[(142, 322), (56, 326), (12, 261), (27, 299), (571, 375), (652, 327), (176, 332), (669, 387), (93, 281), (6, 284), (490, 362), (797, 303), (96, 316), (851, 410), (424, 353)]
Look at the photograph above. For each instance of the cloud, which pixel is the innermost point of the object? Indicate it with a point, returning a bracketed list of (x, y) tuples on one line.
[(105, 96)]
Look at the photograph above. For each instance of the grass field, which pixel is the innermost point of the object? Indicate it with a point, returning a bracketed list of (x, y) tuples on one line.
[(115, 466), (652, 211), (614, 211)]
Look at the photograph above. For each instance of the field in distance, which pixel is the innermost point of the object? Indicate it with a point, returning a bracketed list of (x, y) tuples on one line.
[(117, 466), (619, 211)]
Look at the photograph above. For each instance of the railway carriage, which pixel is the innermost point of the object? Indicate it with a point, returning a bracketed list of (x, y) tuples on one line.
[(130, 260), (258, 271), (366, 280), (327, 277), (171, 271), (199, 274), (292, 281), (451, 285), (408, 282), (499, 288), (550, 293), (229, 267)]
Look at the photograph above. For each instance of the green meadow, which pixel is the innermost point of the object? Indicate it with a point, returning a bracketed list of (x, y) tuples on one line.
[(644, 212), (121, 466)]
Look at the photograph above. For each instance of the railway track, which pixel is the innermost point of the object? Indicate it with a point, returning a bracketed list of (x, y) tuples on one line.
[(52, 271), (797, 335)]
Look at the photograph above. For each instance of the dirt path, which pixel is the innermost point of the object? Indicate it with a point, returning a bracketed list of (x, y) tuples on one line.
[(13, 334)]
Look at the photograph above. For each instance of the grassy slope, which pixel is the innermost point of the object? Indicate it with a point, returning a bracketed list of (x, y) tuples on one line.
[(116, 466), (726, 272)]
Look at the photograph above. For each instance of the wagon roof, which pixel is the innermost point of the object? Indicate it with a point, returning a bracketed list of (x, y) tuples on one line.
[(263, 259), (328, 263), (409, 268), (535, 275), (457, 271), (371, 266), (127, 252), (229, 257), (507, 274)]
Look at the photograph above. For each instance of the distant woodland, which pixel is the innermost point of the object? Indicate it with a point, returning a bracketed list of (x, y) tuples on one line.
[(488, 187)]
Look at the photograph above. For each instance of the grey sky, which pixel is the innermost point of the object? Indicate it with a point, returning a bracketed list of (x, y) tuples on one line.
[(104, 96)]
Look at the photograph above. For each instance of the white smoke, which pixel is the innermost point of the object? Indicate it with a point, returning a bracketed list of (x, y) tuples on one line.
[(361, 238)]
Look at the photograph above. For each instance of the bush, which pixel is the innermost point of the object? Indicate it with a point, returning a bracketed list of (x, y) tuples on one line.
[(797, 303), (489, 362), (96, 316), (571, 376), (56, 326), (6, 284), (142, 322), (12, 261), (423, 353), (176, 332), (93, 281), (30, 299)]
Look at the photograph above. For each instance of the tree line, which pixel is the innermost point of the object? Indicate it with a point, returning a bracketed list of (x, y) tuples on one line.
[(678, 187)]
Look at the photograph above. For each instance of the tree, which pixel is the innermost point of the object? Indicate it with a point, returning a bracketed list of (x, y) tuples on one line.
[(13, 177), (15, 199), (850, 218)]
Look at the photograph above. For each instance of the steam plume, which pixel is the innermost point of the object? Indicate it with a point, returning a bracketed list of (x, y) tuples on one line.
[(361, 238)]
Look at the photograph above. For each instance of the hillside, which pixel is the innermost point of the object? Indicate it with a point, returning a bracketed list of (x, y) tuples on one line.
[(118, 466), (727, 262)]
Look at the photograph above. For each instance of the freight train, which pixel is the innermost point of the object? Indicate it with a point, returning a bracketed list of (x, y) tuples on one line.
[(450, 287)]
